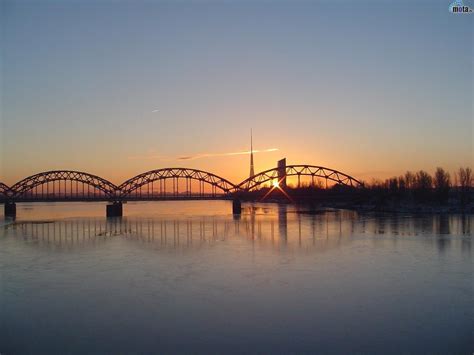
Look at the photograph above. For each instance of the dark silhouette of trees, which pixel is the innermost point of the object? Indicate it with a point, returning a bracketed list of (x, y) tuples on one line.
[(442, 184), (422, 185), (402, 186), (412, 191), (423, 180), (465, 178), (393, 185), (409, 180)]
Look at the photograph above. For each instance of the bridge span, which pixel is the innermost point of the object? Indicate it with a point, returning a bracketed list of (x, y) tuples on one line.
[(157, 185)]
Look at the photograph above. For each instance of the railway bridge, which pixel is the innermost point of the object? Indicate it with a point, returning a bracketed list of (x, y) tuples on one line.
[(156, 185)]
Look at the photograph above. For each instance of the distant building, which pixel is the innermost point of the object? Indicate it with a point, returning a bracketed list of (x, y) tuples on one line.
[(282, 172), (252, 171)]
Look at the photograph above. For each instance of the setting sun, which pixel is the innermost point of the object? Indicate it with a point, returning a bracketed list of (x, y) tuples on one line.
[(276, 183)]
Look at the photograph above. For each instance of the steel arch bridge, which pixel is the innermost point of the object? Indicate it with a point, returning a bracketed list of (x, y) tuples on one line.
[(70, 185), (29, 188), (132, 188), (298, 170)]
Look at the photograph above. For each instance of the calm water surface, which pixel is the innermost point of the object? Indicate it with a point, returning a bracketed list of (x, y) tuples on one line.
[(174, 277)]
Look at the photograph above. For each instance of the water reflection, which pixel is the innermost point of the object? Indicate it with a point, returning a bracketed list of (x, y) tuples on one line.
[(282, 221), (276, 228), (184, 278), (184, 233)]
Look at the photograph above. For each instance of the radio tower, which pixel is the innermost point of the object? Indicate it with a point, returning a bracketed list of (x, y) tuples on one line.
[(252, 173)]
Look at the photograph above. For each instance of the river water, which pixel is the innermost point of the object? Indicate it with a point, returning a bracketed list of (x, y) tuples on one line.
[(181, 277)]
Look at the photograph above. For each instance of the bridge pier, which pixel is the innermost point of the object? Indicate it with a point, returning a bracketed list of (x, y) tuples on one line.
[(10, 209), (236, 206), (114, 209)]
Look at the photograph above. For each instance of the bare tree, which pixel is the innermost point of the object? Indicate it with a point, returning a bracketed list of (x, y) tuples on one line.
[(393, 184), (423, 180), (442, 184), (465, 183), (422, 185), (465, 177), (402, 183), (409, 180)]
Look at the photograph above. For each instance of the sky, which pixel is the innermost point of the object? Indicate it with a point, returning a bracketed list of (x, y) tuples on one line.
[(116, 88)]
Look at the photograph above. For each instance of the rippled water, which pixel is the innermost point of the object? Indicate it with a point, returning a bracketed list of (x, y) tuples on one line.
[(190, 277)]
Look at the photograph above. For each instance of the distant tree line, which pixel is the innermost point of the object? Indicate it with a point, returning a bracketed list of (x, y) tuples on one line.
[(408, 191), (424, 187)]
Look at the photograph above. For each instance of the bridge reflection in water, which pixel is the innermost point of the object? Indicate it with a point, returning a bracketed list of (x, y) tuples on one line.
[(274, 228), (258, 224)]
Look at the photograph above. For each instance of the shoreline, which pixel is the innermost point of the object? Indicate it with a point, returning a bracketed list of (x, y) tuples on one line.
[(318, 207)]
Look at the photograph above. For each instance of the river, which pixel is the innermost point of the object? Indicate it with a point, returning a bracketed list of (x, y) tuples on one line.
[(181, 277)]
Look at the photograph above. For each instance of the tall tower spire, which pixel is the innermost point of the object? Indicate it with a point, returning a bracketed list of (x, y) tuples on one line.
[(252, 173)]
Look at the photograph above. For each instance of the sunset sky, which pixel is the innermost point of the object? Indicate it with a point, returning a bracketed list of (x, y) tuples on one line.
[(116, 88)]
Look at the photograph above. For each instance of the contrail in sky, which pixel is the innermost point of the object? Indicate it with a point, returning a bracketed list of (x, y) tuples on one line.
[(205, 155), (199, 156)]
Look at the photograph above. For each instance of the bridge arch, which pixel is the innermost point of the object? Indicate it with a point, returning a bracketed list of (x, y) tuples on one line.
[(4, 191), (299, 170), (28, 187), (136, 183)]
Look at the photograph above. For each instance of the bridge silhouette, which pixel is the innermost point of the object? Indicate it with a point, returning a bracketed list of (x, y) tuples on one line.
[(155, 185)]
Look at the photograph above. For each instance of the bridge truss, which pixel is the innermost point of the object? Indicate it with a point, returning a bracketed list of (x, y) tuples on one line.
[(61, 185), (166, 183), (312, 171), (152, 184)]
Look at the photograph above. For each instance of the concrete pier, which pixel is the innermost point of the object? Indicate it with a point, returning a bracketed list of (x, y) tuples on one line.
[(10, 209), (114, 209), (236, 206)]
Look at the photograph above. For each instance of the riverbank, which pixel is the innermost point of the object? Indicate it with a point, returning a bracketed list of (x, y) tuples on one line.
[(315, 206)]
